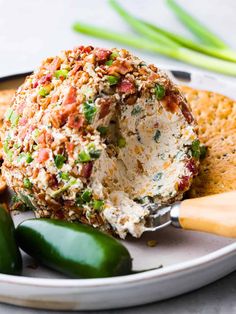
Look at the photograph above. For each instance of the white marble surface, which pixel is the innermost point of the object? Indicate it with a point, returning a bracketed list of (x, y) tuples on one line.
[(31, 30)]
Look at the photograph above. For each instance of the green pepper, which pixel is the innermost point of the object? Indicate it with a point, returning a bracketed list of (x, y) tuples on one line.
[(10, 258), (73, 249), (61, 74), (159, 91), (59, 161), (112, 80)]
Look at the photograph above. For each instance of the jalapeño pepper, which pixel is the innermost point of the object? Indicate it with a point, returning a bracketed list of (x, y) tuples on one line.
[(73, 249), (10, 257)]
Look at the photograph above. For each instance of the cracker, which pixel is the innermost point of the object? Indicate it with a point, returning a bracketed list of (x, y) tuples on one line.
[(216, 118)]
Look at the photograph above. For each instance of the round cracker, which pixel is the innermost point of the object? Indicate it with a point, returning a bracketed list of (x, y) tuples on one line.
[(215, 115)]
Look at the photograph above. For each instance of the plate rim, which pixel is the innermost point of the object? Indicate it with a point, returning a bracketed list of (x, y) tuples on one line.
[(128, 279)]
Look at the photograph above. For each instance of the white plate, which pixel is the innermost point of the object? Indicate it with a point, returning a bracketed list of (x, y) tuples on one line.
[(190, 259)]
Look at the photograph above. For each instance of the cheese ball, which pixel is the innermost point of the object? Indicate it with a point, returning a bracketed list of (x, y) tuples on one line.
[(95, 135)]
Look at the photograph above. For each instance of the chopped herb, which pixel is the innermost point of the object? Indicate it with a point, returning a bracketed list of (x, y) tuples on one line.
[(26, 200), (36, 133), (12, 116), (157, 176), (157, 135), (109, 62), (59, 161), (64, 188), (61, 73), (8, 114), (203, 151), (95, 153), (121, 142), (29, 158), (89, 110), (102, 130), (159, 91), (136, 110), (44, 91), (27, 184), (64, 176), (86, 196), (195, 149), (112, 80), (7, 151), (114, 55), (84, 157), (98, 204)]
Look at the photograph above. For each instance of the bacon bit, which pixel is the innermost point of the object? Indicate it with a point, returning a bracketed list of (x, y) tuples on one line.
[(23, 121), (191, 166), (35, 84), (156, 125), (43, 155), (20, 108), (76, 68), (41, 139), (70, 97), (126, 86), (102, 54), (59, 214), (170, 102), (75, 121), (120, 67), (54, 65), (66, 112), (35, 172), (54, 98), (46, 78), (183, 183), (186, 112), (104, 107), (86, 170), (85, 49), (70, 148)]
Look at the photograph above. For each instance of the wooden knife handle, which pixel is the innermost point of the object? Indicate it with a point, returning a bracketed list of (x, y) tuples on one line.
[(214, 214)]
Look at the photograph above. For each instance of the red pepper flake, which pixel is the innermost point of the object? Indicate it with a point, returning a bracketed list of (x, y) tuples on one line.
[(102, 54), (43, 155), (70, 96), (184, 183), (126, 86), (191, 166), (46, 78), (35, 84), (86, 170), (75, 121)]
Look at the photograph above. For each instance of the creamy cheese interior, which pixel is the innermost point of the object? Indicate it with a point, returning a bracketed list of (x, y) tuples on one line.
[(146, 169)]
